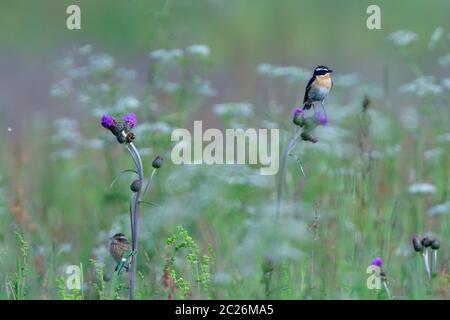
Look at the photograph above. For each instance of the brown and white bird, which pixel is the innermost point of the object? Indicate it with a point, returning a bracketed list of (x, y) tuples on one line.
[(318, 87), (118, 248)]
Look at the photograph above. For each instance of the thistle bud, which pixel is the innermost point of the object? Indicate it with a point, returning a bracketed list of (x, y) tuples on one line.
[(157, 163), (117, 128), (426, 242), (268, 264), (136, 185), (307, 136), (435, 245), (297, 117), (365, 103), (121, 138), (417, 244)]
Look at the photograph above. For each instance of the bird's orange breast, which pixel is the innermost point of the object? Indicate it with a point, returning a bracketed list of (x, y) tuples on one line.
[(324, 81)]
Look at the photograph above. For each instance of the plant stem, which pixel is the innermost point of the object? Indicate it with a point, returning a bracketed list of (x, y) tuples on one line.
[(135, 220), (292, 143), (427, 264), (435, 261), (386, 288), (149, 181)]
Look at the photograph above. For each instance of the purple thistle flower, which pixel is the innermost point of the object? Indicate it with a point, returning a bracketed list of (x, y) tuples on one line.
[(130, 119), (107, 121), (377, 262), (322, 117), (295, 111)]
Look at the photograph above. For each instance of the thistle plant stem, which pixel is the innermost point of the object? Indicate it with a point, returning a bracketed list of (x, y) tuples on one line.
[(135, 220), (292, 143), (427, 264), (386, 288), (149, 181), (435, 261)]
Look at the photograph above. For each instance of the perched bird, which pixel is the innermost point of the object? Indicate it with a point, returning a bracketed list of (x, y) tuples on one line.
[(318, 87), (119, 246), (120, 251)]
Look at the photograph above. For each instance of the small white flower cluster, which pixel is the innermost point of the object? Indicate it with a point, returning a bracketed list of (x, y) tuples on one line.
[(440, 209), (240, 109), (402, 37), (346, 80), (422, 188), (446, 83), (101, 62), (291, 73), (124, 104), (422, 86), (435, 37), (444, 61), (199, 49), (168, 56)]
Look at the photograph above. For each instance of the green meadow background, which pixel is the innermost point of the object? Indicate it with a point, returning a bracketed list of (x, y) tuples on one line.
[(377, 175)]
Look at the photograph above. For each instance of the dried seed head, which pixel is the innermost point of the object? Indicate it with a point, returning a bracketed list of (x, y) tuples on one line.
[(130, 137), (157, 163), (435, 245), (136, 185), (417, 244)]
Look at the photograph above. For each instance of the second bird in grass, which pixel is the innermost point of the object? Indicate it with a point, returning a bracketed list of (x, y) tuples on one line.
[(318, 87)]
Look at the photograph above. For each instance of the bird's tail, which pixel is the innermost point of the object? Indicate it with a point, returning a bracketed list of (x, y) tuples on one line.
[(307, 105)]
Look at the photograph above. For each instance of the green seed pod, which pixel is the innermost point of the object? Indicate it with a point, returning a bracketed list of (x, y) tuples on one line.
[(136, 185), (157, 163), (435, 245)]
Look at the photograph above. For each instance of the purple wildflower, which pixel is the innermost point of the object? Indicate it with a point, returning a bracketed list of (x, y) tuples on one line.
[(322, 117), (295, 111), (107, 121), (130, 119), (377, 262)]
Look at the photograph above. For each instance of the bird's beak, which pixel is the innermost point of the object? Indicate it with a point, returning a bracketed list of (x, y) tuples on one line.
[(330, 71)]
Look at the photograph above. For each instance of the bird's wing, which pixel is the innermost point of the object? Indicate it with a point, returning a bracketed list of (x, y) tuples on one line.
[(308, 86)]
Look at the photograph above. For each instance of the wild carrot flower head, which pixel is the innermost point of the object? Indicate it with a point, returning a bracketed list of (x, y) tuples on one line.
[(130, 120), (377, 262), (107, 121)]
